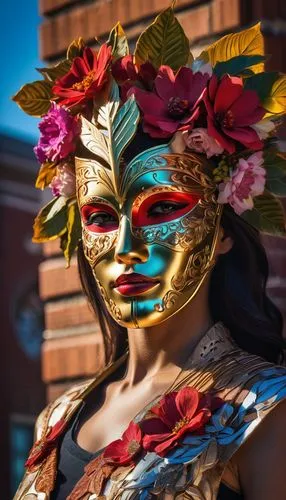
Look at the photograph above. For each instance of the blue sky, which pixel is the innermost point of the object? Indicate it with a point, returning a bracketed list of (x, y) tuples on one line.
[(19, 56)]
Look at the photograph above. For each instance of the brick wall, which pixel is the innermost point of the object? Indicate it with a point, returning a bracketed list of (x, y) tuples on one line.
[(73, 346)]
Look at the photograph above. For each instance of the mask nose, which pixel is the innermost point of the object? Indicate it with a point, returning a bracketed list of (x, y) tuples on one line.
[(129, 250)]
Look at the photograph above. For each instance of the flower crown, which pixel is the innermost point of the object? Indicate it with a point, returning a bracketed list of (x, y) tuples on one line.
[(222, 104)]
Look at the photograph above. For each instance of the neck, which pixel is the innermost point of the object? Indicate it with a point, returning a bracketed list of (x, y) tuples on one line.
[(168, 345)]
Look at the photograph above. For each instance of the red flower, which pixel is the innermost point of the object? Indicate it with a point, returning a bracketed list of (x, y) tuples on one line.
[(42, 448), (177, 413), (174, 101), (86, 77), (231, 112), (124, 69), (127, 74), (123, 451)]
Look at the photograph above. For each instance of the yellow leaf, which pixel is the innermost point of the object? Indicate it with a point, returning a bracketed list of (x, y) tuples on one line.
[(276, 102), (35, 98), (118, 41), (246, 43), (70, 239), (163, 42), (54, 72), (75, 48), (46, 174), (51, 221)]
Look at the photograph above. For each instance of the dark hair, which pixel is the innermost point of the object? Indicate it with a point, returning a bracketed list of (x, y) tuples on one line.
[(237, 296)]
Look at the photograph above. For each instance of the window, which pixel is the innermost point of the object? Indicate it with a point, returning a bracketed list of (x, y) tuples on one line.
[(21, 440)]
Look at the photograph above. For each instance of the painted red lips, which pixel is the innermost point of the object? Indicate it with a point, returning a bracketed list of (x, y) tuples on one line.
[(134, 284)]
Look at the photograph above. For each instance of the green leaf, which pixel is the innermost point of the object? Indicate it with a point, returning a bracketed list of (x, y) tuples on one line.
[(248, 42), (118, 41), (277, 185), (35, 98), (124, 127), (70, 239), (261, 83), (54, 72), (75, 49), (275, 165), (163, 42), (46, 174), (267, 215), (236, 65), (51, 221)]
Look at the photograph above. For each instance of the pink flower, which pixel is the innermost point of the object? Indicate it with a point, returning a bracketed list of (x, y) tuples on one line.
[(173, 103), (63, 184), (199, 140), (231, 111), (246, 182), (59, 130)]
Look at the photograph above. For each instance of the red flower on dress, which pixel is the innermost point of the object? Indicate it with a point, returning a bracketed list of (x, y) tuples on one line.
[(177, 414), (124, 450), (43, 446), (231, 111), (174, 102), (86, 78)]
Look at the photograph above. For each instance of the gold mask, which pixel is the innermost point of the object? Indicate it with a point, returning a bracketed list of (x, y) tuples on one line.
[(150, 240)]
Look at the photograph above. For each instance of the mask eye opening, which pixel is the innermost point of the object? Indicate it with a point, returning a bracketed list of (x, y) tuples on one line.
[(163, 207)]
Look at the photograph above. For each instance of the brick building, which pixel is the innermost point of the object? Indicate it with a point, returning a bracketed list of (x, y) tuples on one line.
[(22, 391), (72, 343)]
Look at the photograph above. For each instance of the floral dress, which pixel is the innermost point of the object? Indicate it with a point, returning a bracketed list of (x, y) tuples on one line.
[(176, 447)]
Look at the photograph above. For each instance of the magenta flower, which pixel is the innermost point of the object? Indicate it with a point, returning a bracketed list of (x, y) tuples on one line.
[(63, 184), (200, 141), (59, 130), (231, 112), (124, 69), (173, 103), (246, 182)]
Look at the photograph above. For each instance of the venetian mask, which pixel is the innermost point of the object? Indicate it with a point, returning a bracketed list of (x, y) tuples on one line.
[(150, 238)]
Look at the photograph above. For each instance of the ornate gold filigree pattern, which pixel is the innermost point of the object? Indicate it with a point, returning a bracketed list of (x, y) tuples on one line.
[(45, 482), (188, 231), (156, 170), (112, 307), (88, 170), (96, 245), (199, 264)]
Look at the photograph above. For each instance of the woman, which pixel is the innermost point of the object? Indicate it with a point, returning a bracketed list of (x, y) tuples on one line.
[(191, 404)]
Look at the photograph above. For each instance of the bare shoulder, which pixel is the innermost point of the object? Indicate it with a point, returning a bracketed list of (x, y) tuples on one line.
[(261, 459)]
